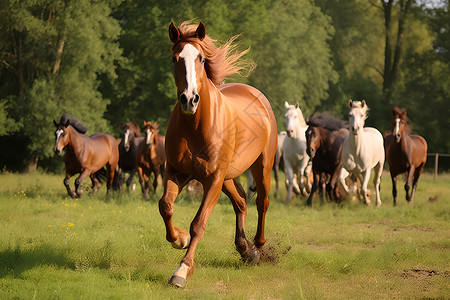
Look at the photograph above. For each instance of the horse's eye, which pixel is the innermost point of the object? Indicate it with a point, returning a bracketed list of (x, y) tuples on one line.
[(202, 59)]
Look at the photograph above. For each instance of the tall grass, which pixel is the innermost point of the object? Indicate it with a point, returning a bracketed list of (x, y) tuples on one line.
[(113, 246)]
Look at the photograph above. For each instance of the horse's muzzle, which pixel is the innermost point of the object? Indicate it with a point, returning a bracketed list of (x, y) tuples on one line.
[(398, 137), (189, 106), (57, 151)]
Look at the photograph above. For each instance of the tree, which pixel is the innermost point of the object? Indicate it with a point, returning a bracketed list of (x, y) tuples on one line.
[(53, 53)]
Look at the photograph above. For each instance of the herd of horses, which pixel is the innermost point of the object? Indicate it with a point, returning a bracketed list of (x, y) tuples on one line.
[(218, 131)]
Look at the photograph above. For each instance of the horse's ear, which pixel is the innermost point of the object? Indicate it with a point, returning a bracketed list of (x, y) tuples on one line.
[(145, 123), (200, 33), (123, 125), (350, 103), (363, 103), (67, 123), (296, 105), (174, 33), (286, 104), (56, 124), (404, 111)]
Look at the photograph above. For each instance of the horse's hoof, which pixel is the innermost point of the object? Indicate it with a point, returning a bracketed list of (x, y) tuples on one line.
[(252, 257), (177, 281), (180, 244)]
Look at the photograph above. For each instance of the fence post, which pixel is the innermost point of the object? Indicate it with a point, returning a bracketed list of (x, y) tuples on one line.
[(436, 164)]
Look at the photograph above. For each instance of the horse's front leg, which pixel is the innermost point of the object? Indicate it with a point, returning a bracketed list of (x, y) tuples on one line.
[(304, 175), (130, 180), (409, 181), (364, 182), (314, 187), (79, 180), (394, 188), (211, 192), (66, 182), (143, 181), (155, 179), (290, 180)]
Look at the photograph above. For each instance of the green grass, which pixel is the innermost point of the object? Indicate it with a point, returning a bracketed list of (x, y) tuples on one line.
[(114, 246)]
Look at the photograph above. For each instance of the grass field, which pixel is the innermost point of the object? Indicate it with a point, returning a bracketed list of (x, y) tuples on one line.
[(114, 246)]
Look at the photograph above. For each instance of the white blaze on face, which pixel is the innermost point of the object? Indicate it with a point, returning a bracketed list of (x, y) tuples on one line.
[(397, 129), (190, 54), (149, 137), (59, 132), (126, 137)]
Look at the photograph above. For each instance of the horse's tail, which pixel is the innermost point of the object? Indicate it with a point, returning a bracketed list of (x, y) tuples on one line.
[(101, 175)]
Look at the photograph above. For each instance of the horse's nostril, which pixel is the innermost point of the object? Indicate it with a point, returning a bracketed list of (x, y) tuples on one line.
[(183, 99), (196, 98)]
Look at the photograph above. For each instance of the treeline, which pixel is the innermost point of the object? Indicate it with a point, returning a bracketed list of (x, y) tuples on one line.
[(108, 62)]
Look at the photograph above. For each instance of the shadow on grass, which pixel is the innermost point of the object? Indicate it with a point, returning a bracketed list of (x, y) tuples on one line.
[(14, 261)]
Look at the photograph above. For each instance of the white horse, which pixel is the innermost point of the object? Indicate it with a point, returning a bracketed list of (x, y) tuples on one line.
[(363, 150), (294, 151)]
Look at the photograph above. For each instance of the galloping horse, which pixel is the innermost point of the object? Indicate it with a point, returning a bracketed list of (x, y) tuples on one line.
[(128, 150), (405, 153), (324, 138), (216, 132), (151, 157), (363, 150), (295, 157), (85, 155)]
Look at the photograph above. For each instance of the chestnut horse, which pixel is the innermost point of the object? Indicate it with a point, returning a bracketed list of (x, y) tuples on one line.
[(85, 155), (405, 153), (215, 133), (151, 157), (127, 152), (324, 138)]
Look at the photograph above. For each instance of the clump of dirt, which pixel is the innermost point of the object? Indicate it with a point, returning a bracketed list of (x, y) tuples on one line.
[(424, 273)]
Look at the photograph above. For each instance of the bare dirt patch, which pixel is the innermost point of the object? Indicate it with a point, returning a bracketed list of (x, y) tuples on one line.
[(424, 273)]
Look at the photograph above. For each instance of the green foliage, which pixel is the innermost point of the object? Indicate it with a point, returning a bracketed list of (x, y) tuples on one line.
[(108, 62)]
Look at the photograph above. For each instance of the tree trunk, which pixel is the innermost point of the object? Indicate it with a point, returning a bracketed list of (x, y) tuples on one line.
[(392, 62)]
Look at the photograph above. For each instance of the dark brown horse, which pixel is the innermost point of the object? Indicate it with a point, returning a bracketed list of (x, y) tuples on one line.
[(85, 155), (128, 147), (151, 157), (215, 133), (405, 153), (324, 138)]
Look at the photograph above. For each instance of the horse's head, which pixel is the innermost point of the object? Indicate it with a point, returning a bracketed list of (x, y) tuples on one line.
[(129, 130), (294, 120), (62, 137), (151, 133), (398, 123), (188, 66), (357, 115), (313, 140)]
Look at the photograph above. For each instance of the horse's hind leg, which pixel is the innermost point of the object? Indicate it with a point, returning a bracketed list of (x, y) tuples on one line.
[(415, 181), (261, 172), (155, 179), (233, 189), (94, 183)]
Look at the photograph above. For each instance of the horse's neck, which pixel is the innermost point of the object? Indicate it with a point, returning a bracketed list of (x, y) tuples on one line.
[(301, 118), (77, 141), (357, 141)]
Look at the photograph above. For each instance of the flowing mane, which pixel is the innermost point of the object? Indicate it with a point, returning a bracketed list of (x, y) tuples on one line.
[(74, 122), (221, 61), (326, 121)]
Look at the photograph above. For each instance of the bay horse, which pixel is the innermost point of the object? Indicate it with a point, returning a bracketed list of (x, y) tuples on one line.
[(405, 153), (216, 132), (128, 151), (363, 150), (324, 139), (295, 157), (151, 158), (85, 155)]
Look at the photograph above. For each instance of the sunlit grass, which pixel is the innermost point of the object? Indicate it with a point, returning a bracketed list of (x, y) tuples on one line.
[(113, 246)]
